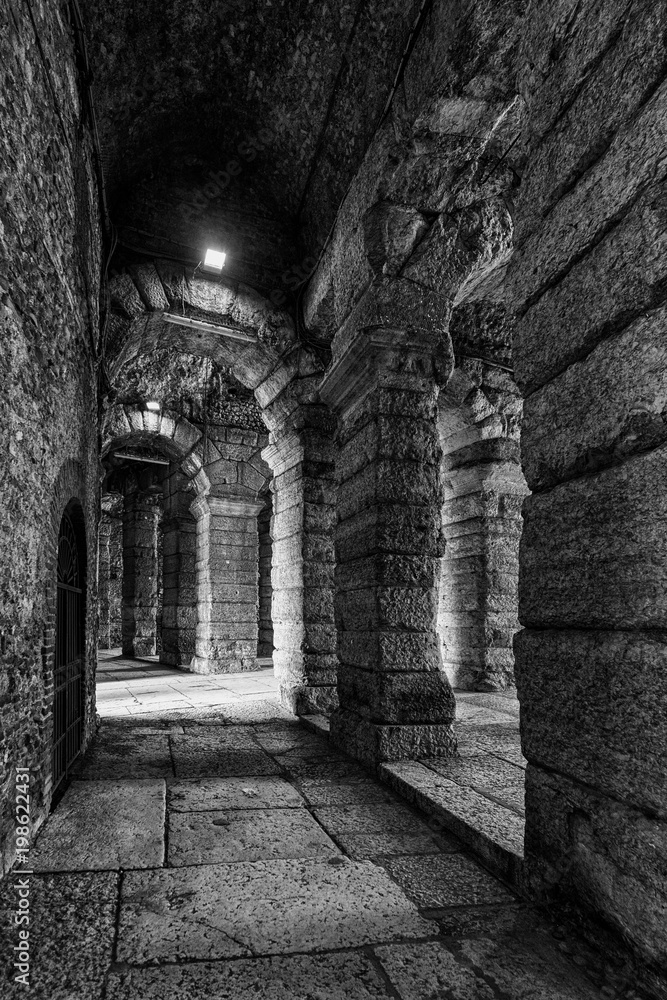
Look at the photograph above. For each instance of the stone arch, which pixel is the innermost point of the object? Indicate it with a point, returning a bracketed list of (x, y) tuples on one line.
[(284, 374), (159, 304), (171, 433)]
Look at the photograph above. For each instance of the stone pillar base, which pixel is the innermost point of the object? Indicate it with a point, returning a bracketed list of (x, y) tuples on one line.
[(310, 700), (374, 744), (214, 665), (139, 648)]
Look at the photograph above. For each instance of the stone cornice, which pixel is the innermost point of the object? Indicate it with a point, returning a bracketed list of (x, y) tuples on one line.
[(373, 358), (234, 507)]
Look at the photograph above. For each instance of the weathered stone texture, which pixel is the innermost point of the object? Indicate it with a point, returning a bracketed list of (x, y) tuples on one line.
[(391, 706), (479, 417), (594, 705), (141, 513), (594, 552), (604, 856), (302, 566), (110, 581), (588, 284), (49, 277), (567, 433)]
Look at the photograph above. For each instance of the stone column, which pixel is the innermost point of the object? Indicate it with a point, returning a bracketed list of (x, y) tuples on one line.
[(302, 569), (103, 582), (484, 488), (227, 584), (179, 609), (395, 700), (141, 512), (265, 643)]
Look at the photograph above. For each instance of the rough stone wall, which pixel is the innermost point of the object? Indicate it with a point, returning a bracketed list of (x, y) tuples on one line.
[(265, 643), (179, 610), (141, 515), (110, 580), (49, 269), (302, 567), (589, 281), (484, 487), (227, 551)]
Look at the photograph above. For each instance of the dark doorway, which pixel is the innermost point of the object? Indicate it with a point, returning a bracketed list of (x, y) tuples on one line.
[(69, 658)]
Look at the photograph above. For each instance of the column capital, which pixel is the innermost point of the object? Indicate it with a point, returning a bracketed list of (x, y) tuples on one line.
[(284, 453), (379, 357)]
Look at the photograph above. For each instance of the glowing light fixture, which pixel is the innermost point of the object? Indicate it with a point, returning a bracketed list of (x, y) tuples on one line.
[(214, 261), (153, 406)]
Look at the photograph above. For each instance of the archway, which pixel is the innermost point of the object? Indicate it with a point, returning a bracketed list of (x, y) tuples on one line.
[(157, 305)]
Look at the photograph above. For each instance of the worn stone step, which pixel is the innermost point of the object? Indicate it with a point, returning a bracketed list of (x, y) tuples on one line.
[(494, 833)]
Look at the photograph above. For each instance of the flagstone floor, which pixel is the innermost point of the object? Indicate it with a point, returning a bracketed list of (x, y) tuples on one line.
[(209, 846)]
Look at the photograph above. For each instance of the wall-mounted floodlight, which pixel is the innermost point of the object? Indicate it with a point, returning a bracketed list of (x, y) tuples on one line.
[(153, 406), (214, 261)]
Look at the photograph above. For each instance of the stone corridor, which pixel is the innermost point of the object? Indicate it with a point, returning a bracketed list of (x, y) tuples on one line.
[(210, 846)]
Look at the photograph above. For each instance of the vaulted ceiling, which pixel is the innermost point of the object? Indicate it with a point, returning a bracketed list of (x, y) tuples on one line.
[(238, 122)]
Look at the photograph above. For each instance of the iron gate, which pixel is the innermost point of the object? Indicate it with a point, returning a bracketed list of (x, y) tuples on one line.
[(69, 660)]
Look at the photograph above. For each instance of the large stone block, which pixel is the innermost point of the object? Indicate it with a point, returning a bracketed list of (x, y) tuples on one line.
[(390, 651), (392, 527), (600, 855), (373, 743), (234, 593), (388, 569), (302, 574), (584, 307), (397, 698), (613, 88), (602, 196), (232, 613), (389, 482), (602, 409), (387, 607), (594, 706), (594, 550)]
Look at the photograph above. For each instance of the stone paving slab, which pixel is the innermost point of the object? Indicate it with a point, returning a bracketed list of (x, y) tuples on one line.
[(101, 825), (477, 716), (229, 737), (265, 908), (496, 701), (329, 767), (490, 920), (173, 705), (352, 792), (257, 712), (205, 794), (532, 970), (348, 975), (72, 927), (194, 758), (245, 835), (418, 971), (129, 754), (290, 740), (366, 831), (488, 775), (502, 740), (446, 880)]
